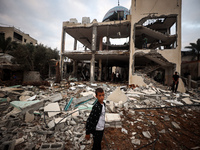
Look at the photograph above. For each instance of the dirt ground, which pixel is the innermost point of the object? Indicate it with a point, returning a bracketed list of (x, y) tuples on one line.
[(187, 137)]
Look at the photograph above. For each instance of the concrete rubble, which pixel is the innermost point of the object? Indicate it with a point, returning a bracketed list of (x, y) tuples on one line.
[(43, 119)]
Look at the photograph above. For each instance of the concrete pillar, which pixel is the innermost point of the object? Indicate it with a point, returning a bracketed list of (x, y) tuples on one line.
[(101, 44), (100, 69), (93, 48), (61, 52), (75, 44), (75, 68)]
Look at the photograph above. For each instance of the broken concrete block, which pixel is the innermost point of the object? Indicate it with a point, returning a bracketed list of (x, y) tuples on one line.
[(175, 125), (166, 118), (89, 88), (72, 88), (23, 98), (117, 95), (135, 141), (92, 84), (72, 84), (87, 93), (162, 131), (82, 99), (52, 107), (187, 100), (138, 80), (32, 98), (197, 101), (51, 124), (181, 86), (146, 134), (25, 104), (147, 102), (19, 141), (81, 85), (174, 102), (163, 98), (56, 97), (29, 117), (110, 117), (124, 131), (111, 106), (58, 120)]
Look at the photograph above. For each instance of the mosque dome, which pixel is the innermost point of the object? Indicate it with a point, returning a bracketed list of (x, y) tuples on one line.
[(116, 13)]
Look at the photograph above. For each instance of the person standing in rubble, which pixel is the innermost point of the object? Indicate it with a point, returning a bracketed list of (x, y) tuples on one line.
[(175, 82), (96, 121)]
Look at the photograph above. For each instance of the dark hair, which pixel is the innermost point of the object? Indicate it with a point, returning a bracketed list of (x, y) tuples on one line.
[(99, 90)]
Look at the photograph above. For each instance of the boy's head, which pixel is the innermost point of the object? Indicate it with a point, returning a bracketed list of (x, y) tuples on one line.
[(100, 94)]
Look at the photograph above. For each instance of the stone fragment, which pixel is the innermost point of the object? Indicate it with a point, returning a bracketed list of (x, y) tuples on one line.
[(51, 124), (87, 93), (81, 85), (175, 125), (117, 95), (92, 84), (174, 102), (187, 100), (52, 107), (197, 101), (166, 118), (124, 131), (146, 134), (29, 117), (33, 105), (23, 98), (147, 102), (32, 98), (58, 120), (162, 131), (135, 141), (19, 141), (72, 88)]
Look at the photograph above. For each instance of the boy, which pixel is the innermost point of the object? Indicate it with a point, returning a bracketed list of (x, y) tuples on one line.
[(96, 120)]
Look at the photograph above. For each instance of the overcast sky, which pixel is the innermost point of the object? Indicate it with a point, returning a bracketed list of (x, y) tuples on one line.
[(42, 19)]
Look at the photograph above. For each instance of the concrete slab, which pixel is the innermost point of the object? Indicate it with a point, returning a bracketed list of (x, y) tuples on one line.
[(56, 97), (87, 93), (174, 102), (32, 98), (187, 100), (52, 107), (23, 104), (138, 80), (117, 95), (197, 101), (181, 86), (58, 120), (110, 117)]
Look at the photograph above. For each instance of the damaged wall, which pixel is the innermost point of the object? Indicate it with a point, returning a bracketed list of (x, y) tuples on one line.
[(141, 9)]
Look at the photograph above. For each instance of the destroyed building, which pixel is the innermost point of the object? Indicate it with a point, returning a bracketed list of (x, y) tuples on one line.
[(153, 41), (16, 35)]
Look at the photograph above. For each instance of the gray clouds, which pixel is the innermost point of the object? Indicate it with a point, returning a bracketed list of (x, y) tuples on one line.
[(42, 19)]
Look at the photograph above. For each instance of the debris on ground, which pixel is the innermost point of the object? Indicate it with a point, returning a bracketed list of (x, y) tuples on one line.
[(149, 116)]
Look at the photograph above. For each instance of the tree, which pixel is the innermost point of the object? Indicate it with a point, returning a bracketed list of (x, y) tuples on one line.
[(195, 48)]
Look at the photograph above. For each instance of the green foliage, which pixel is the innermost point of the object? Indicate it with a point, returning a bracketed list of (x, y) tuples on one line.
[(34, 58), (195, 48)]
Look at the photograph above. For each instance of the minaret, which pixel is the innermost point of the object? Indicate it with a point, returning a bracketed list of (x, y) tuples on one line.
[(118, 2)]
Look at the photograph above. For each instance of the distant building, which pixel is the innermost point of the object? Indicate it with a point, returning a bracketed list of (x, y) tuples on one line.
[(16, 35)]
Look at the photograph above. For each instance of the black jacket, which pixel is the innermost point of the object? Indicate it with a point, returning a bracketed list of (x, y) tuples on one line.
[(93, 118)]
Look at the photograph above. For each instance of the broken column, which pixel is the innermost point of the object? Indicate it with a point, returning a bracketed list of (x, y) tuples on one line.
[(61, 52), (92, 61)]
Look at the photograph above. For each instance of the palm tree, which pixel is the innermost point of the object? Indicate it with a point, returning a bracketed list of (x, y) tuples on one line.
[(195, 48)]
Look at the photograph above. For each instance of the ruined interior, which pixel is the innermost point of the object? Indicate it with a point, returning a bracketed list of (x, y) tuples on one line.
[(150, 41)]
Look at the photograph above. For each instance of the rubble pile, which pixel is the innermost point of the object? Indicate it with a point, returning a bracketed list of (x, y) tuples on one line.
[(54, 117)]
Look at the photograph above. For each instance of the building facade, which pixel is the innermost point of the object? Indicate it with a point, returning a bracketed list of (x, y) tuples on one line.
[(16, 35)]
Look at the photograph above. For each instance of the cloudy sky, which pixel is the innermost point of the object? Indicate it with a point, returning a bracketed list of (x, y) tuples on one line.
[(42, 19)]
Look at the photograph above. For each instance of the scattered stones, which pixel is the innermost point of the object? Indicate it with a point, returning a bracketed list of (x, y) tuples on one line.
[(146, 134), (176, 125)]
